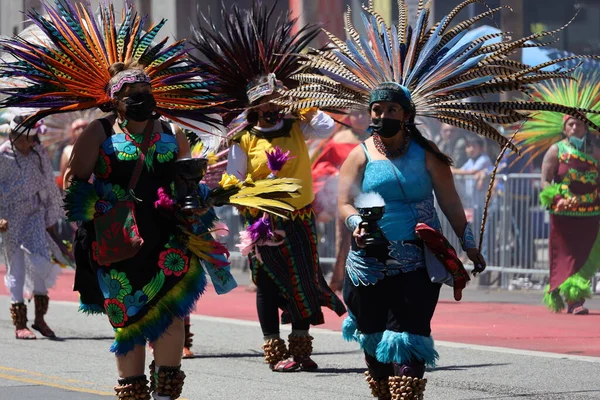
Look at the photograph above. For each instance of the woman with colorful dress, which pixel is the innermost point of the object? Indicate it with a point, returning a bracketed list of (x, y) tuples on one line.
[(30, 208), (570, 174), (570, 187), (398, 74), (144, 246), (251, 63)]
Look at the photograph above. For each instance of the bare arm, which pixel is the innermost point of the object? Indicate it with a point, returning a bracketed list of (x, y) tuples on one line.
[(64, 159), (349, 181), (318, 126), (449, 201), (85, 153), (458, 171), (182, 142), (549, 166)]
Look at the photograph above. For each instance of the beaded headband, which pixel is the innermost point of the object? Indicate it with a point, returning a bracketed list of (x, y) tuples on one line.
[(400, 95), (263, 89), (127, 77)]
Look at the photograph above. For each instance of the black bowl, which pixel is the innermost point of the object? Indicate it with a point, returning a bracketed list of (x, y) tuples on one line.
[(191, 168), (371, 213)]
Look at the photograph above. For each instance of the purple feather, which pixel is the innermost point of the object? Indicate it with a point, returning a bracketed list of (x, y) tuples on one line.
[(261, 229), (277, 159)]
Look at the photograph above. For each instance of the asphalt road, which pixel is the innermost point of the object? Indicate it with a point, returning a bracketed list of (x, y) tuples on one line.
[(230, 366)]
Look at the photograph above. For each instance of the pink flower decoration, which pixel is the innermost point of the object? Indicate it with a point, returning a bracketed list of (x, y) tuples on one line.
[(164, 201)]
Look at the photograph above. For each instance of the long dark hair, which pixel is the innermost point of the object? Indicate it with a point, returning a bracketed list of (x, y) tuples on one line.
[(418, 137)]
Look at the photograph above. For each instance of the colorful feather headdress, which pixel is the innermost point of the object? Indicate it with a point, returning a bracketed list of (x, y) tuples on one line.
[(72, 73), (438, 71), (546, 127), (248, 46)]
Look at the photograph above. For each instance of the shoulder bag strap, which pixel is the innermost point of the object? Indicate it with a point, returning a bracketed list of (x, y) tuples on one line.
[(410, 206), (140, 161)]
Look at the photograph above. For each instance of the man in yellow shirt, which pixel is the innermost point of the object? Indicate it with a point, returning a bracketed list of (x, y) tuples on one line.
[(251, 64)]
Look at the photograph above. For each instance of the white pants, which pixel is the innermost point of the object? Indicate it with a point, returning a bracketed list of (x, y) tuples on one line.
[(16, 274)]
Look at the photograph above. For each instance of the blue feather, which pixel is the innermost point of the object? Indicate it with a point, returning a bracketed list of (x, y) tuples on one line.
[(427, 51)]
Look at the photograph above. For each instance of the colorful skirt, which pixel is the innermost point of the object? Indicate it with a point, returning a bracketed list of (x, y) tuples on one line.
[(143, 295), (295, 269), (574, 259)]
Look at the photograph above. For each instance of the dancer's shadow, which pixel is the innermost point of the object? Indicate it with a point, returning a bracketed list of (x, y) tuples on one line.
[(339, 371), (76, 338), (227, 355), (537, 394), (256, 353), (463, 367)]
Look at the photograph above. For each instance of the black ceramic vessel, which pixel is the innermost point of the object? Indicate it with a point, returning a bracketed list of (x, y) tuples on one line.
[(370, 216), (190, 172)]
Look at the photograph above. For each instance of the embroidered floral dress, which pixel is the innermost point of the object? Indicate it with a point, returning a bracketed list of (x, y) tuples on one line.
[(574, 232), (141, 295)]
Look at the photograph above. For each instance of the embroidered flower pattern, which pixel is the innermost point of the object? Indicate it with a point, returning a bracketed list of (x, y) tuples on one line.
[(173, 262), (116, 312), (103, 167), (163, 147)]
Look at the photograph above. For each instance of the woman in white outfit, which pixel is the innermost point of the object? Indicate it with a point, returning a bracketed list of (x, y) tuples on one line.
[(30, 206)]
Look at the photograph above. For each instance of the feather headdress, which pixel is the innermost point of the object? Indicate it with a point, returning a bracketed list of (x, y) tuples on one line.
[(72, 73), (546, 127), (250, 45), (439, 73)]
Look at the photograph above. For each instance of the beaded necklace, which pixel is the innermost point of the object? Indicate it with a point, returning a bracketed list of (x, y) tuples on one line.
[(381, 148)]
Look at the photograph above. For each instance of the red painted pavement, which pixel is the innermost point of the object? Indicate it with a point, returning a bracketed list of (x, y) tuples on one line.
[(492, 324)]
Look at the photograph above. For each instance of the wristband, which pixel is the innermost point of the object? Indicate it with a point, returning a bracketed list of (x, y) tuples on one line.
[(468, 239), (352, 222)]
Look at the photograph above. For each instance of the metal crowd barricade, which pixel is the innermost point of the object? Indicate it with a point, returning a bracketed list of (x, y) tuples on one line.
[(515, 242)]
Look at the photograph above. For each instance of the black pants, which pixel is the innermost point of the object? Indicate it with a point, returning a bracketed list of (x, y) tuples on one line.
[(400, 303), (268, 302)]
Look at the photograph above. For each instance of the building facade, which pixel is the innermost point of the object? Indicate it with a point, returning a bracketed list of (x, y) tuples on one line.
[(581, 37)]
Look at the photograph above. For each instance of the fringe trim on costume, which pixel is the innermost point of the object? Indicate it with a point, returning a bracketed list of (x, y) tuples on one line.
[(349, 329), (90, 309), (80, 201), (548, 194), (576, 288), (176, 303), (370, 342), (403, 348), (552, 300)]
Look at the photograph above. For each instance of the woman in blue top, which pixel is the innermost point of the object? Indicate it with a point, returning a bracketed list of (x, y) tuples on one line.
[(387, 290)]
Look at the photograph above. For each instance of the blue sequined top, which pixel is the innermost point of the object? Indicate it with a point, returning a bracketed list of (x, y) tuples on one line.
[(406, 186)]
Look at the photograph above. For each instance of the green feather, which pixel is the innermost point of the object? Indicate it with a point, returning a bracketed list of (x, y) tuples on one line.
[(154, 286), (548, 194)]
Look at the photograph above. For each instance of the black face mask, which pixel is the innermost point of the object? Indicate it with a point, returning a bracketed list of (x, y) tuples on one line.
[(386, 127), (140, 107), (272, 117)]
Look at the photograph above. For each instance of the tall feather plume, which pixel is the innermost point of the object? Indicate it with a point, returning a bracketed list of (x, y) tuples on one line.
[(438, 70), (64, 65), (579, 97), (249, 44)]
